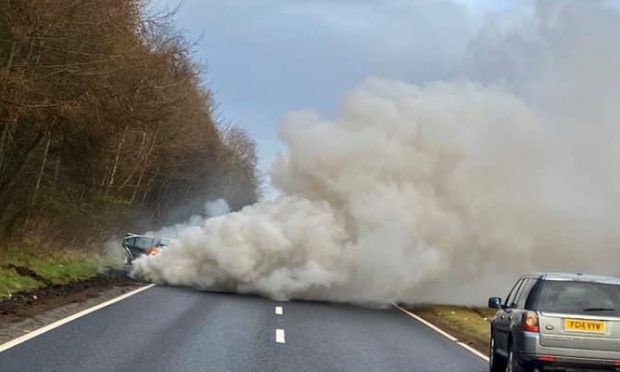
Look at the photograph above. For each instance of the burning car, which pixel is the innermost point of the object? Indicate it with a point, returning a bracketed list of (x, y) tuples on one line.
[(139, 245)]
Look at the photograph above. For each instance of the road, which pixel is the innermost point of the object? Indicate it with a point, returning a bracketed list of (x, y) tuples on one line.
[(179, 329)]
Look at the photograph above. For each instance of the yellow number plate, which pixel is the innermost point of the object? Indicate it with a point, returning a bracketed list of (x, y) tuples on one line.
[(580, 325)]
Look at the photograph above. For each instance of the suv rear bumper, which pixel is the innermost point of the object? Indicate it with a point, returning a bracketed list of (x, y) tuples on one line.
[(534, 355), (567, 364)]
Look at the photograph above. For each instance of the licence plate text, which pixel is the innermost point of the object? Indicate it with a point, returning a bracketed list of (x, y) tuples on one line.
[(579, 325)]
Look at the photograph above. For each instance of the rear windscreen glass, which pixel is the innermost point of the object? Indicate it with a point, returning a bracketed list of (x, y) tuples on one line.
[(584, 298)]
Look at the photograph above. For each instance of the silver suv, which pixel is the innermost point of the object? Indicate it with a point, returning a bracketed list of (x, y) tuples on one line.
[(557, 322)]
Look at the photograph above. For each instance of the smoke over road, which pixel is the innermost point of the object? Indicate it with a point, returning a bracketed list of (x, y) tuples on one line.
[(441, 192)]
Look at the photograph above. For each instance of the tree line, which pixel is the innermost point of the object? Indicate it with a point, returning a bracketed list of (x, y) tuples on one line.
[(105, 124)]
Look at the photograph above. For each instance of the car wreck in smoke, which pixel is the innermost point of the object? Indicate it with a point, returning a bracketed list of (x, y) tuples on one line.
[(138, 245)]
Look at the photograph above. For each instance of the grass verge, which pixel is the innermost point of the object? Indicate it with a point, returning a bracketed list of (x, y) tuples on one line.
[(27, 268), (12, 282), (468, 324)]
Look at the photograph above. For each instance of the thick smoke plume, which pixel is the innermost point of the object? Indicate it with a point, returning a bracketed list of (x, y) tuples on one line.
[(442, 192)]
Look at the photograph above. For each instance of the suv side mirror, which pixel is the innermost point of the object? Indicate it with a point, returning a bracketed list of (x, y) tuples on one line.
[(495, 302)]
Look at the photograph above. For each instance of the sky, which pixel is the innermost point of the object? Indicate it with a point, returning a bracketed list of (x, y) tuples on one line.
[(267, 58)]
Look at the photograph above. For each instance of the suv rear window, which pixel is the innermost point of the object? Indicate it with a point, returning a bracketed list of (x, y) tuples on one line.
[(583, 298)]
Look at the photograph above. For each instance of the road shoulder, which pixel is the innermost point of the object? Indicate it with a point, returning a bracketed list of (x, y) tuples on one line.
[(464, 325), (29, 311)]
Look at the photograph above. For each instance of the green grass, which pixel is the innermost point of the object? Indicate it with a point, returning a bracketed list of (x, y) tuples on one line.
[(53, 266), (63, 270), (12, 282), (471, 321)]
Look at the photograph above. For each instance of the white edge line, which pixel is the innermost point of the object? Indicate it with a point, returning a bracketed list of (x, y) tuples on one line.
[(428, 324), (280, 336), (444, 333), (474, 351), (39, 331)]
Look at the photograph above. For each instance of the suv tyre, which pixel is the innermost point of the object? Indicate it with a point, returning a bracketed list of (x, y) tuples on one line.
[(496, 361), (512, 364)]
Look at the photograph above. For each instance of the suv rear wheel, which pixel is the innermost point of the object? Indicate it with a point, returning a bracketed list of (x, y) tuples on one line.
[(512, 365), (496, 362)]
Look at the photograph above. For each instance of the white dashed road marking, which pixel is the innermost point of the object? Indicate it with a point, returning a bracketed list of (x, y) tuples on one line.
[(280, 337), (279, 310)]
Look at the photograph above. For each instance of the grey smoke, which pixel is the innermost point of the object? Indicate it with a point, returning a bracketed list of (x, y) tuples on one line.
[(212, 208), (442, 192)]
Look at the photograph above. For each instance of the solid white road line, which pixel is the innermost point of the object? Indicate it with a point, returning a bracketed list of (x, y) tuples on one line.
[(444, 333), (428, 324), (279, 310), (70, 318), (474, 351), (280, 338)]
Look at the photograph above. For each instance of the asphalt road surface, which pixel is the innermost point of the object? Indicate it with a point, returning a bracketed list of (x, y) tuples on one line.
[(177, 329)]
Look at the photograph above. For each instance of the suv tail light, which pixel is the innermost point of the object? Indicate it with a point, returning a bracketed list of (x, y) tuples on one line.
[(530, 322)]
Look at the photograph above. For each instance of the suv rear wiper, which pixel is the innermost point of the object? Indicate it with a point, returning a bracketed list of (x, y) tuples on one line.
[(599, 309)]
